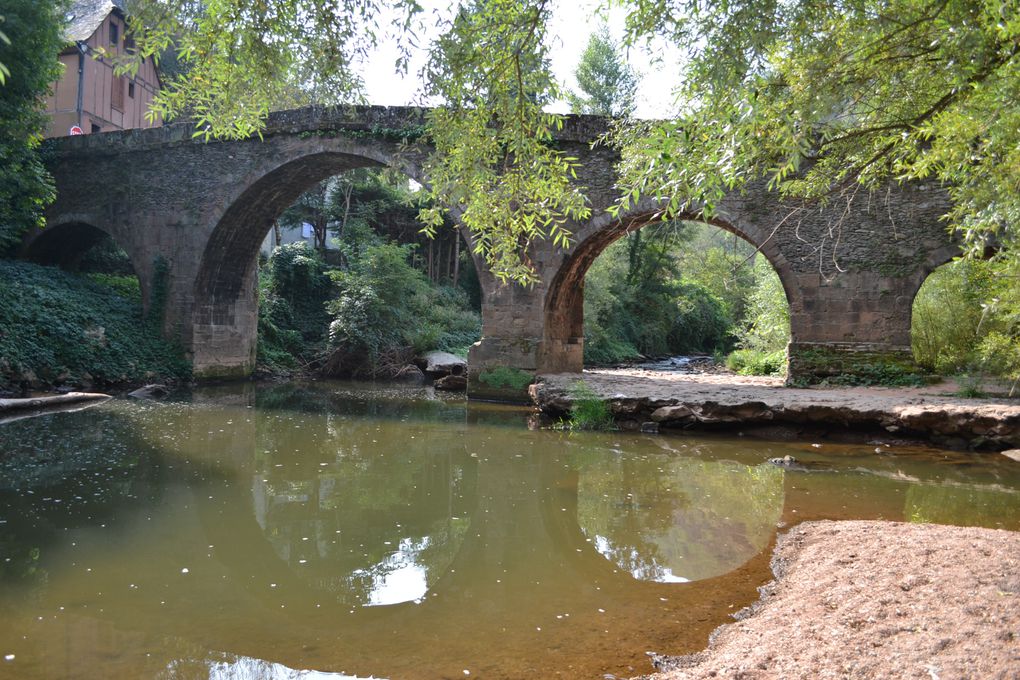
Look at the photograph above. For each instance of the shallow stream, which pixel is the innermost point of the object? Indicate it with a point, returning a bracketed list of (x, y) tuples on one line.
[(333, 530)]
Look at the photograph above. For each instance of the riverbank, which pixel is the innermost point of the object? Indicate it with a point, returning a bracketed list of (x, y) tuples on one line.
[(874, 600), (760, 406)]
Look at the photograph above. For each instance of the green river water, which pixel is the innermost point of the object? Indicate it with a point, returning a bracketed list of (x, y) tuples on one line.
[(333, 530)]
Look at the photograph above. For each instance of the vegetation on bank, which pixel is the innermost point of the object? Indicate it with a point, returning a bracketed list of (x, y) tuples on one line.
[(58, 327), (686, 288), (378, 301)]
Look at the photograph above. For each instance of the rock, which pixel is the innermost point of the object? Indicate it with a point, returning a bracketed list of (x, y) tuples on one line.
[(154, 391), (438, 364), (785, 461), (650, 428), (452, 383), (669, 413), (409, 373)]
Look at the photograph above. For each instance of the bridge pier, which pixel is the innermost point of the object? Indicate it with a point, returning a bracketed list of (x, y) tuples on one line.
[(853, 327)]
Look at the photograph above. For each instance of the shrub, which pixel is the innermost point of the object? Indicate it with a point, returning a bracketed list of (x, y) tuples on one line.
[(386, 311), (754, 362)]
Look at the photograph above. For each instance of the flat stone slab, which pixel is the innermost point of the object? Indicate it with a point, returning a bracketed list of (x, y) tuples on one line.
[(865, 599), (727, 401)]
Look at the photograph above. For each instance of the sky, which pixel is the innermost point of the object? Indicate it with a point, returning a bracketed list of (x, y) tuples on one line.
[(570, 27)]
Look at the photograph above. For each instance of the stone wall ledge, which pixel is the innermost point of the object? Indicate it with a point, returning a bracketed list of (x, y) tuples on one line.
[(910, 415)]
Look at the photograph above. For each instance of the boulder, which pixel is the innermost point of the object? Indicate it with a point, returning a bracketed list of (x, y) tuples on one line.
[(452, 383), (438, 364), (154, 391)]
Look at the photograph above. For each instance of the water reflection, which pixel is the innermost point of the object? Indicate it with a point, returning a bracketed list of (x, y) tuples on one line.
[(247, 668), (674, 520), (250, 532)]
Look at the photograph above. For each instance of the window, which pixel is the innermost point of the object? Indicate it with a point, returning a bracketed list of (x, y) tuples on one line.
[(117, 93), (129, 43), (114, 33), (131, 90), (96, 128)]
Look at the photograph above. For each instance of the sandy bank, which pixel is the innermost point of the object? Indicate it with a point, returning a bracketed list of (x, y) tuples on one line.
[(754, 405), (875, 600)]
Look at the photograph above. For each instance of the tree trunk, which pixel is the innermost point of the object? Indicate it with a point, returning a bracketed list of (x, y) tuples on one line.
[(456, 257)]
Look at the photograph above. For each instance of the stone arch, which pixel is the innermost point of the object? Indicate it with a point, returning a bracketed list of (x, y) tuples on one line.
[(563, 341), (67, 238), (224, 307)]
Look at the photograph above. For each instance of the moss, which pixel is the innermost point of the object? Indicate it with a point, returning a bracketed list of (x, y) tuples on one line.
[(506, 377), (842, 366), (217, 373)]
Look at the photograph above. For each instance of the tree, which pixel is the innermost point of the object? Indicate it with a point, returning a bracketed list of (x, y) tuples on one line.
[(31, 57), (607, 84)]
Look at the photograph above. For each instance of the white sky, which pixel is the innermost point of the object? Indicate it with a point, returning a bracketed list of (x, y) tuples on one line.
[(571, 25)]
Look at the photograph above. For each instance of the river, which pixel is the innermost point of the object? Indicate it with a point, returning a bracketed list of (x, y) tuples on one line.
[(335, 530)]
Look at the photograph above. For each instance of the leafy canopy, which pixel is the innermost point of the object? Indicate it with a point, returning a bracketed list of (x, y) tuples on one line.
[(30, 59), (824, 97), (817, 98), (494, 165)]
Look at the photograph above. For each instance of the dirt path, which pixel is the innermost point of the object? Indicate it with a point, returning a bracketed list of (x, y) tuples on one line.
[(875, 600), (720, 399)]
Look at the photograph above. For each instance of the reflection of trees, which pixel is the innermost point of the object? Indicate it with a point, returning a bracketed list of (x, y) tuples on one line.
[(375, 516), (65, 471), (665, 518), (964, 505)]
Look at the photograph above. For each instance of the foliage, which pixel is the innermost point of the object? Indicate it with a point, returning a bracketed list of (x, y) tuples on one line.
[(770, 86), (588, 411), (386, 310), (237, 60), (639, 303), (966, 318), (59, 325), (293, 290), (608, 85), (106, 257), (31, 60), (504, 376), (125, 286), (297, 286), (494, 165), (756, 362), (817, 98), (947, 314), (766, 323)]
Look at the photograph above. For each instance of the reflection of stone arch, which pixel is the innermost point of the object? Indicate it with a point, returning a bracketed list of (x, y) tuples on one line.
[(564, 315)]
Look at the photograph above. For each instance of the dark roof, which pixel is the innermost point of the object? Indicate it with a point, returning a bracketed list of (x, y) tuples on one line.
[(85, 16)]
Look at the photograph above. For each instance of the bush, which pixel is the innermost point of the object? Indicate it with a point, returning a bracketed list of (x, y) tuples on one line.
[(754, 362), (386, 311), (61, 326)]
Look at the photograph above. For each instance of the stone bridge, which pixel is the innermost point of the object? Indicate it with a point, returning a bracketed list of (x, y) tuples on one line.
[(191, 215)]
